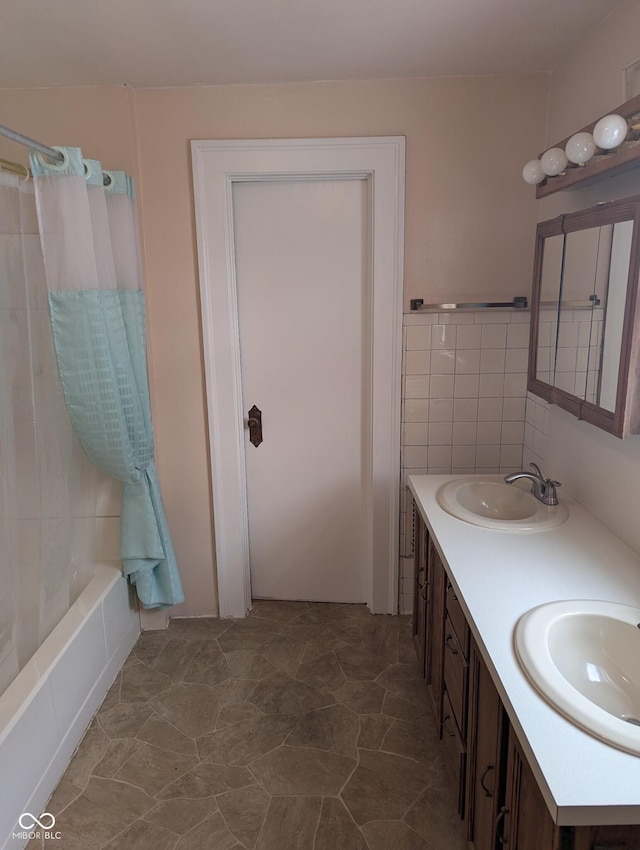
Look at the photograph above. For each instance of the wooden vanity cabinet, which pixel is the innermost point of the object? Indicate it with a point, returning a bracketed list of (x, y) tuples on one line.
[(498, 795), (486, 739), (524, 822)]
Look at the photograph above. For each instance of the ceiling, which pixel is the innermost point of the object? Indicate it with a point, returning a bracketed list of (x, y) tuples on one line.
[(206, 42)]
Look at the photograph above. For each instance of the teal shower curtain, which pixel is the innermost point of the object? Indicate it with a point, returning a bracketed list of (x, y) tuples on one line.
[(90, 247)]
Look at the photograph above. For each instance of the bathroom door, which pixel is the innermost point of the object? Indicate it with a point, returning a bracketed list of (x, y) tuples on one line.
[(303, 291), (301, 296)]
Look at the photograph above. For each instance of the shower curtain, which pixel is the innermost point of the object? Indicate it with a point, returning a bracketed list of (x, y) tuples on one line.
[(89, 243), (49, 490)]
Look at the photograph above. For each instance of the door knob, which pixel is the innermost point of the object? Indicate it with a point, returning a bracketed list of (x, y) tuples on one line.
[(254, 424)]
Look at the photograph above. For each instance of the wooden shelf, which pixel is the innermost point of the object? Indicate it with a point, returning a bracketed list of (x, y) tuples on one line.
[(609, 164)]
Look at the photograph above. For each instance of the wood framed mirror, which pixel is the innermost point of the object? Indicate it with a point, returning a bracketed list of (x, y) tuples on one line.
[(584, 353)]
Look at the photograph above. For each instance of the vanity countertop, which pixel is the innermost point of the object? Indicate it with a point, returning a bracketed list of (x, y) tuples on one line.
[(497, 576)]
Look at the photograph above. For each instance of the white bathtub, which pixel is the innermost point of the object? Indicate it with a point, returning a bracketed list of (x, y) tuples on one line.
[(45, 711)]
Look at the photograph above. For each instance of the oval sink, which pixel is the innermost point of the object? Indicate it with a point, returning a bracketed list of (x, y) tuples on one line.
[(584, 658), (492, 503)]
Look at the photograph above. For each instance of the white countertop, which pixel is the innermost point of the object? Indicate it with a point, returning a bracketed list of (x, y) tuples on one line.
[(498, 575)]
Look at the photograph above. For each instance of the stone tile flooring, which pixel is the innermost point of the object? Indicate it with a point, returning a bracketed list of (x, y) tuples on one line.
[(302, 727)]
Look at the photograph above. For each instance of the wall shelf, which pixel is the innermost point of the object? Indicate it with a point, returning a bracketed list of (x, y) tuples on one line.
[(606, 165)]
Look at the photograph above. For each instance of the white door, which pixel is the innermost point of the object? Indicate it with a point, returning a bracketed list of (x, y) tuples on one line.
[(301, 277), (358, 500)]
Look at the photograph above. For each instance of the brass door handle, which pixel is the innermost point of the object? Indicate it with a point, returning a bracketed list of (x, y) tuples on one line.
[(254, 424)]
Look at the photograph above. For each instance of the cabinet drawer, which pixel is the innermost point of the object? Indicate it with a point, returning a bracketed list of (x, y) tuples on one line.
[(456, 677), (456, 752), (458, 620)]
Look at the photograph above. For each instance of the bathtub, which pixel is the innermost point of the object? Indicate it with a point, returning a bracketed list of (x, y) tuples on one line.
[(45, 711)]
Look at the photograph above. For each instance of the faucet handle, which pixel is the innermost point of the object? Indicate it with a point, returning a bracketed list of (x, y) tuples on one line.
[(537, 469)]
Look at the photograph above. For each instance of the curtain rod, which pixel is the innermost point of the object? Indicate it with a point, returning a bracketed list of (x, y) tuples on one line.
[(15, 168), (51, 153)]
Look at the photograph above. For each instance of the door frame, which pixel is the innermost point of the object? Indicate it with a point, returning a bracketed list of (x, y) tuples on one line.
[(217, 165)]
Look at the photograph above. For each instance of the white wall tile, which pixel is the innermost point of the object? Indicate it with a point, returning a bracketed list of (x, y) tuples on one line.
[(443, 336), (487, 456), (463, 457), (416, 386), (468, 336), (415, 433), (568, 334), (513, 409), (442, 386), (443, 361), (514, 385), (494, 336), (440, 433), (416, 362), (489, 433), (458, 317), (439, 457), (517, 360), (465, 409), (492, 360), (466, 386), (464, 433), (491, 386), (511, 456), (512, 432), (415, 456), (566, 359), (467, 361), (490, 317), (489, 408), (419, 318), (418, 337), (441, 410), (416, 410), (518, 335)]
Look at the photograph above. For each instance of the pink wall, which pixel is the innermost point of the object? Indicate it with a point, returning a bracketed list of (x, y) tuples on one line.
[(469, 224), (469, 218)]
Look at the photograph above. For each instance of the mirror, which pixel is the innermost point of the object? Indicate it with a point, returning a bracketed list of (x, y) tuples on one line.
[(583, 323)]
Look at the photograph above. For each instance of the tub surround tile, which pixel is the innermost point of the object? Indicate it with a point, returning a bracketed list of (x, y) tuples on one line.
[(318, 737)]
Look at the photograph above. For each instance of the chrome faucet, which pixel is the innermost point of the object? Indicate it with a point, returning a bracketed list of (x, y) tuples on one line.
[(544, 489)]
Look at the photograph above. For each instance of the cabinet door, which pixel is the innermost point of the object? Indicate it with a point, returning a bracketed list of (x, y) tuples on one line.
[(485, 776), (420, 596), (524, 822)]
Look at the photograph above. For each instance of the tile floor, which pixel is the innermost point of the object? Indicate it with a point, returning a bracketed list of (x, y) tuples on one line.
[(302, 727)]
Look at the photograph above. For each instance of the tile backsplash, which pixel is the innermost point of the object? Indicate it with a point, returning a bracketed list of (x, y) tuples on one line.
[(464, 402)]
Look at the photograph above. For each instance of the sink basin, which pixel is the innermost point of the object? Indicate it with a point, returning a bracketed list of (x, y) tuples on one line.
[(492, 503), (584, 658)]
